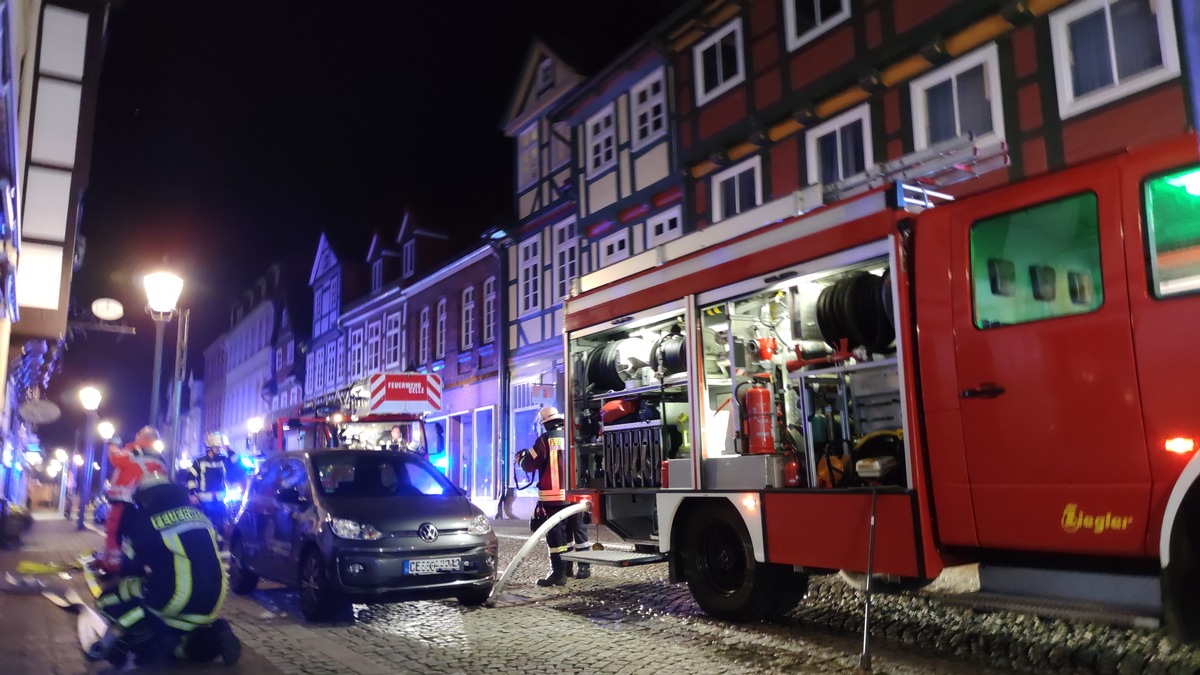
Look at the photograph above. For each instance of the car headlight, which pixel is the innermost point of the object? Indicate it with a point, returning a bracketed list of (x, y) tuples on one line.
[(352, 529), (479, 525)]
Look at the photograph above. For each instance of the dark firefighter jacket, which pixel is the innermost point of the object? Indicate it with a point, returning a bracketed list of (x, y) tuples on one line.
[(173, 547), (547, 458), (207, 476)]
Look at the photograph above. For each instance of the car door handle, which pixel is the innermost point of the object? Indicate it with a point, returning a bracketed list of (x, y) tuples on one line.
[(985, 390)]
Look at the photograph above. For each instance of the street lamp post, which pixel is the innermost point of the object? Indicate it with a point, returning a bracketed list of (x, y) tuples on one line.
[(106, 430), (162, 291), (90, 398)]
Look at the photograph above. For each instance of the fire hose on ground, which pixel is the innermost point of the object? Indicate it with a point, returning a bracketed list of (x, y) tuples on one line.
[(533, 541)]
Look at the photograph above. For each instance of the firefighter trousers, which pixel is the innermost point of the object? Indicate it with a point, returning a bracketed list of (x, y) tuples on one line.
[(150, 632)]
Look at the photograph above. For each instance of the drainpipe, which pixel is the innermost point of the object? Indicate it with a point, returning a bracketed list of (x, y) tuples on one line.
[(500, 242)]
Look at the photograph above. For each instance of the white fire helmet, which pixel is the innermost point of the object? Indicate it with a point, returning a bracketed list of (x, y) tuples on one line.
[(216, 439)]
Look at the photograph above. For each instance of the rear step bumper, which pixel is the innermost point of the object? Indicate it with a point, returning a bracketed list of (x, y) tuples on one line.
[(614, 558)]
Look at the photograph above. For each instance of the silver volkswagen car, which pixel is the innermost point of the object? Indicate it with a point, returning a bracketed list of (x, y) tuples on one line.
[(361, 526)]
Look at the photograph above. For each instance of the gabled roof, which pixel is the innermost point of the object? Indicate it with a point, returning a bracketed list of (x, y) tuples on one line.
[(336, 246), (526, 103), (410, 226)]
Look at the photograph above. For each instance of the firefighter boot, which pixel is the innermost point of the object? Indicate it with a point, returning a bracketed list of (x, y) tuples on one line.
[(585, 571), (556, 578), (568, 569)]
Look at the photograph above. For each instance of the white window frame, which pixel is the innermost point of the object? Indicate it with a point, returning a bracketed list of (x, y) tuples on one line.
[(356, 353), (439, 345), (377, 275), (410, 258), (989, 58), (614, 240), (606, 135), (341, 360), (755, 164), (1068, 104), (278, 358), (391, 341), (423, 345), (528, 150), (331, 365), (860, 114), (467, 323), (531, 274), (404, 337), (566, 240), (676, 213), (489, 310), (318, 370), (703, 96), (796, 40), (374, 348), (291, 352), (636, 109)]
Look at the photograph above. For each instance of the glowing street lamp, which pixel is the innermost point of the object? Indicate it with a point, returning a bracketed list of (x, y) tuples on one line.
[(162, 292), (60, 455), (90, 398), (106, 431)]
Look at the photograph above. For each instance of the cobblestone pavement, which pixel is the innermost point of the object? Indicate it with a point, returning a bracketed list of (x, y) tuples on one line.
[(37, 637), (619, 621)]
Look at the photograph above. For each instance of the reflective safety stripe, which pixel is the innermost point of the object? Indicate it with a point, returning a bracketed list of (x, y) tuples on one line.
[(131, 617), (130, 588), (552, 495), (183, 576), (559, 549), (108, 599)]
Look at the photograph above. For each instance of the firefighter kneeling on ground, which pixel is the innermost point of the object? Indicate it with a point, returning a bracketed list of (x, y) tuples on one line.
[(546, 457), (131, 464), (208, 479), (171, 582)]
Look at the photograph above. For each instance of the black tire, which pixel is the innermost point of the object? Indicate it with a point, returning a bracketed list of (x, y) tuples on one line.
[(720, 570), (241, 580), (475, 596), (1181, 585), (317, 601), (883, 582)]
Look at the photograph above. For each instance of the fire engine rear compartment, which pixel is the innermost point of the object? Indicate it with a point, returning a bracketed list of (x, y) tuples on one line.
[(785, 387)]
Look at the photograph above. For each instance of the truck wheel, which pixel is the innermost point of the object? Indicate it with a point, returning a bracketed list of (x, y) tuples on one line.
[(1181, 586), (721, 573), (883, 582)]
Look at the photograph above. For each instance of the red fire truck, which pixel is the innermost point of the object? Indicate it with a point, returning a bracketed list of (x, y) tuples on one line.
[(1010, 379), (384, 411)]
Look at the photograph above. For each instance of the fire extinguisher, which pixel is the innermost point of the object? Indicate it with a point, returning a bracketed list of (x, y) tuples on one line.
[(791, 471), (761, 418)]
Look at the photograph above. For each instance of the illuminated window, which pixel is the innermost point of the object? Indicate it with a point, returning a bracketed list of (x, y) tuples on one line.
[(1173, 232), (1041, 262)]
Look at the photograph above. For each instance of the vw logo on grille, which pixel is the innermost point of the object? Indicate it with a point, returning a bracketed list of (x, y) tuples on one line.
[(427, 532)]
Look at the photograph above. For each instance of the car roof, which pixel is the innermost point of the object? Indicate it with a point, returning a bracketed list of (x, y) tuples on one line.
[(334, 452)]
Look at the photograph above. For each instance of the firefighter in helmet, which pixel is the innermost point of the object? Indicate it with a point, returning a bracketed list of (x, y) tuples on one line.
[(172, 583), (547, 458), (131, 464), (208, 478)]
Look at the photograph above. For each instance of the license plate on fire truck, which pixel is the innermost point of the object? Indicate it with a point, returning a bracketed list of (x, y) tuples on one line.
[(433, 566)]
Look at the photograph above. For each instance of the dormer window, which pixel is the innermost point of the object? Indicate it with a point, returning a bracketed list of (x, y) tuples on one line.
[(410, 258), (377, 275), (545, 76)]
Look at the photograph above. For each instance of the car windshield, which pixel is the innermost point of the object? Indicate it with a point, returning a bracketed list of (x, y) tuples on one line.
[(379, 475)]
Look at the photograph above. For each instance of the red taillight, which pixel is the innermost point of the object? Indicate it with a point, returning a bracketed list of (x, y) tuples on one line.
[(1180, 445)]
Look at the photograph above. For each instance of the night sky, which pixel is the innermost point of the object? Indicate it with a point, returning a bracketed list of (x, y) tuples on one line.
[(229, 134)]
